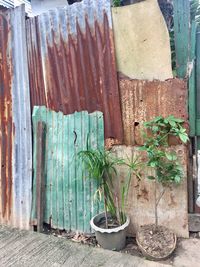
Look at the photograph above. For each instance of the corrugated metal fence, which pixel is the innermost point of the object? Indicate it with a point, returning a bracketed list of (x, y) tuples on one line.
[(69, 202), (71, 67), (72, 62), (15, 121)]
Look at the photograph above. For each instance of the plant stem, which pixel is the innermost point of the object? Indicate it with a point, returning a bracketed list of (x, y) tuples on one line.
[(160, 196), (164, 136), (157, 201), (117, 209), (105, 206), (156, 207)]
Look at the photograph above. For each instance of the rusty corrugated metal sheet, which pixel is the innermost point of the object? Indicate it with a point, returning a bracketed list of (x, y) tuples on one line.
[(15, 121), (72, 62), (6, 119), (143, 100)]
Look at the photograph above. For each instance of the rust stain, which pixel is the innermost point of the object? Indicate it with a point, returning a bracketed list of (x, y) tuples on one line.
[(6, 127), (77, 72), (143, 193), (143, 100), (172, 201)]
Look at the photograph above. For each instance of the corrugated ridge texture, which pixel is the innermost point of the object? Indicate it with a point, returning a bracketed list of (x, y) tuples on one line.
[(143, 100), (6, 118), (69, 194), (27, 5), (7, 3), (72, 62), (15, 121)]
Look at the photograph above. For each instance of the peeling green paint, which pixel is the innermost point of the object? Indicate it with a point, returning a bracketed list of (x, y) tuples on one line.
[(69, 202), (182, 35)]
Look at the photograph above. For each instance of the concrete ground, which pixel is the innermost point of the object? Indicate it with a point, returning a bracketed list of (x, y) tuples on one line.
[(187, 253), (30, 249)]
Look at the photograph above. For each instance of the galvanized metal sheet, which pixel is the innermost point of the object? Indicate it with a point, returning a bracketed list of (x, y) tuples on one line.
[(7, 3), (143, 100), (14, 3), (15, 121), (27, 5), (69, 194), (72, 62)]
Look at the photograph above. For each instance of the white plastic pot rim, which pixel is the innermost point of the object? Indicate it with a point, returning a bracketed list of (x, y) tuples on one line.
[(112, 230)]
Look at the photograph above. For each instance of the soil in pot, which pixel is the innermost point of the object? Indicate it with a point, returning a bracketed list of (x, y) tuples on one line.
[(112, 223), (156, 244)]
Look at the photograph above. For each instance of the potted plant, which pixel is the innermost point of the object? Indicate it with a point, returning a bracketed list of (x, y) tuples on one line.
[(158, 242), (109, 226)]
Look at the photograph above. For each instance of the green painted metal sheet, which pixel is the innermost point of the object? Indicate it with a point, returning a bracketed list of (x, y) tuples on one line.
[(69, 202), (182, 35), (198, 82), (192, 82)]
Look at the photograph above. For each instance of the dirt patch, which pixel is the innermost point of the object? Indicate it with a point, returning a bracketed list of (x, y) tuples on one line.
[(87, 239), (90, 240), (156, 243)]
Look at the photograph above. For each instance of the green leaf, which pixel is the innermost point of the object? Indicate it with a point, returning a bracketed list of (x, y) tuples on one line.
[(153, 164), (171, 156), (182, 130), (184, 137), (158, 118), (172, 118), (155, 128), (142, 148), (177, 179), (151, 177), (172, 123)]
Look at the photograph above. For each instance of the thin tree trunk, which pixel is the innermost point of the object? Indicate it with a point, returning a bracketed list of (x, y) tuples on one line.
[(157, 201), (156, 207)]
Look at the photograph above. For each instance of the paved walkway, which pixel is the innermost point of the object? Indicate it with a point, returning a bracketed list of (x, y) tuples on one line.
[(23, 248), (188, 253)]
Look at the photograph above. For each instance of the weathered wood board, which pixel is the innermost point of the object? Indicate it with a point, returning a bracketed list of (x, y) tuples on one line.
[(172, 210)]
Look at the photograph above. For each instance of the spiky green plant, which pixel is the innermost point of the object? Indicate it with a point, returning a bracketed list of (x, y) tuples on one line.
[(101, 166), (134, 166)]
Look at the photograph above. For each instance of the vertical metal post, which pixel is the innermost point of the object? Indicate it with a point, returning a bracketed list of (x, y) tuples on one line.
[(40, 174)]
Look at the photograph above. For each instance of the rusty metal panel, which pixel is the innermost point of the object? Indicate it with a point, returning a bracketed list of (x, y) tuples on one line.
[(6, 119), (15, 121), (143, 100), (72, 62)]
